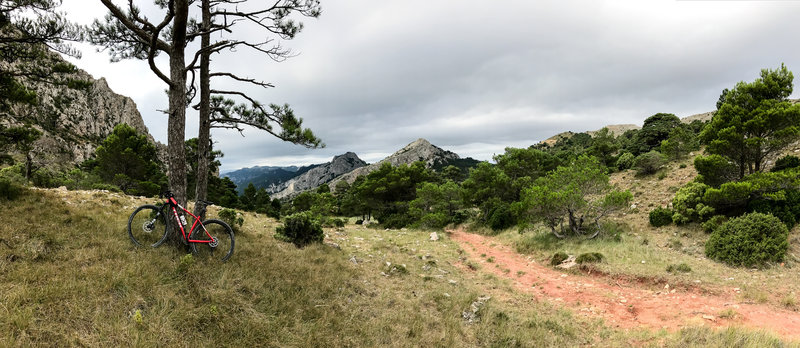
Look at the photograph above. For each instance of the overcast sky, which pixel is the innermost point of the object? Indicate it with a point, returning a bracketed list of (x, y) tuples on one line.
[(475, 77)]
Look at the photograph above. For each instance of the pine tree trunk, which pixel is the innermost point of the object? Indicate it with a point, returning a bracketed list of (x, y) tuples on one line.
[(176, 127), (204, 133)]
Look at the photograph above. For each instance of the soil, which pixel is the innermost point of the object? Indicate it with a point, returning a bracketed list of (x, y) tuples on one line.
[(625, 303)]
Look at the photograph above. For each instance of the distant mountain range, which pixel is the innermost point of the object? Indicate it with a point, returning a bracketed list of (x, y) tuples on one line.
[(286, 182), (264, 176)]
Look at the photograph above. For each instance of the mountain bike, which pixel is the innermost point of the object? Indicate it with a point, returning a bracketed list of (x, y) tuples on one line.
[(149, 225)]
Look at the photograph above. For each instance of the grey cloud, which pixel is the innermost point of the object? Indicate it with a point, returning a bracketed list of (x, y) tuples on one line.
[(474, 77)]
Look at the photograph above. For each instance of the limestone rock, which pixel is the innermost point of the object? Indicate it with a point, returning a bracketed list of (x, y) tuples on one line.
[(74, 121), (419, 150), (317, 176)]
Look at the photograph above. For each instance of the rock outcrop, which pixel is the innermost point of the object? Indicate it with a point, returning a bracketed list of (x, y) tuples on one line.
[(321, 174), (74, 118), (419, 150)]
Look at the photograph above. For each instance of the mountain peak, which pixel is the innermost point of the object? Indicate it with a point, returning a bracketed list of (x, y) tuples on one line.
[(420, 150), (420, 142)]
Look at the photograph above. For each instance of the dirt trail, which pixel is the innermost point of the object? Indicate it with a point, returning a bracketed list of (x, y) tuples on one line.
[(626, 305)]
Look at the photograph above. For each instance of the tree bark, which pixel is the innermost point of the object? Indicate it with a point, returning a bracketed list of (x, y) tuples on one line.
[(176, 127), (204, 133)]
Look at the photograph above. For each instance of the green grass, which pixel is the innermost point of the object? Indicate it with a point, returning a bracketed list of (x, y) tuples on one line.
[(70, 276)]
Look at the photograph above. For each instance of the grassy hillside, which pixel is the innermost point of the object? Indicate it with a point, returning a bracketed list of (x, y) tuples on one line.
[(645, 252), (69, 276)]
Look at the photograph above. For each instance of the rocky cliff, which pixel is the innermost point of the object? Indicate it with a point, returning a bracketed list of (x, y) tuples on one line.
[(321, 174), (74, 118), (419, 150)]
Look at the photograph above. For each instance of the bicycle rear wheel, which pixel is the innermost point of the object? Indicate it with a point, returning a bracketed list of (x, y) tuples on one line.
[(147, 226), (222, 245)]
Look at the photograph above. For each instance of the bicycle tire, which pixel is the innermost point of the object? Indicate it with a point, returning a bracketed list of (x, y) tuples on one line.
[(148, 226), (220, 231)]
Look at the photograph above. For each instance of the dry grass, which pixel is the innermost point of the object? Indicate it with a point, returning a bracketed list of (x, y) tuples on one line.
[(646, 252), (70, 276)]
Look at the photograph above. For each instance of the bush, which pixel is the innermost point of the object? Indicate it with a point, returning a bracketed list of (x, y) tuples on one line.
[(786, 162), (558, 258), (715, 170), (10, 190), (589, 258), (751, 240), (301, 229), (683, 268), (359, 222), (688, 204), (786, 209), (107, 187), (337, 222), (396, 221), (461, 216), (232, 218), (660, 217), (625, 161), (649, 163), (434, 220), (45, 177), (713, 223), (500, 217)]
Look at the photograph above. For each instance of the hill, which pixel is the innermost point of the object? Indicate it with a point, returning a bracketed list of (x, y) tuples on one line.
[(320, 174), (263, 176), (618, 129), (418, 150), (282, 182)]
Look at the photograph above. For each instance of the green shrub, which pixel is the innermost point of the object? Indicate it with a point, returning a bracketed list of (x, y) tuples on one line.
[(786, 162), (714, 170), (682, 268), (107, 187), (625, 161), (649, 163), (9, 189), (713, 223), (359, 222), (396, 221), (786, 209), (660, 217), (750, 240), (682, 165), (327, 221), (45, 177), (688, 204), (232, 218), (500, 218), (558, 258), (434, 220), (301, 229), (589, 258)]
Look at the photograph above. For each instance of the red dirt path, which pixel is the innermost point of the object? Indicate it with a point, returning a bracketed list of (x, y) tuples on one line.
[(625, 305)]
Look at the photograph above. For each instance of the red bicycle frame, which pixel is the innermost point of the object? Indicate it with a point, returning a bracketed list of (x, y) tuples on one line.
[(173, 204)]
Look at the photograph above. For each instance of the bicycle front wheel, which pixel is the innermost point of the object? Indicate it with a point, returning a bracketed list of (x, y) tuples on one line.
[(147, 226), (217, 242)]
